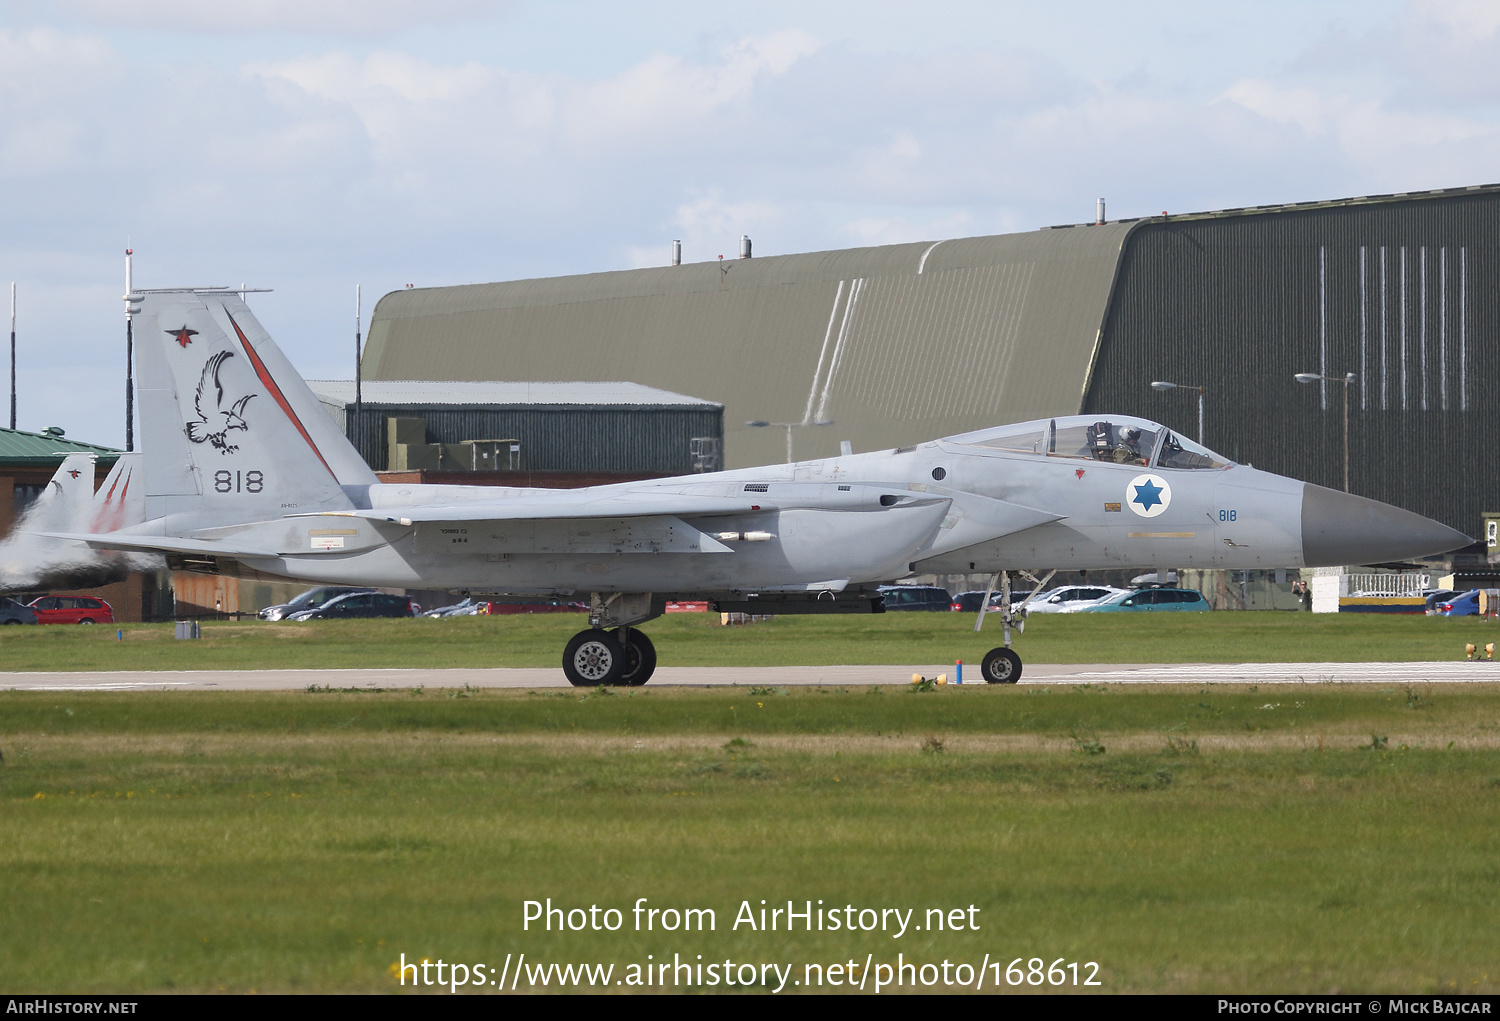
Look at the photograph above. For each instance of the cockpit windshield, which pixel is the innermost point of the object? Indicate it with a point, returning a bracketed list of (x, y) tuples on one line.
[(1179, 452), (1117, 439), (1119, 442), (1023, 438)]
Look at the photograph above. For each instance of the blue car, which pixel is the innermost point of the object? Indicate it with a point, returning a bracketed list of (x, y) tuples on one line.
[(1466, 605), (1149, 600)]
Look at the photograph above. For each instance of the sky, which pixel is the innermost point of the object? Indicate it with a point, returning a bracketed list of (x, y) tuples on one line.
[(309, 146)]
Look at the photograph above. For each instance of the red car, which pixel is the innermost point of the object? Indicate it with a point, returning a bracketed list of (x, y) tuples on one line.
[(72, 610)]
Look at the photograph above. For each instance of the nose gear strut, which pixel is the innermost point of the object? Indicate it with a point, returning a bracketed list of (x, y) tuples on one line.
[(1003, 665)]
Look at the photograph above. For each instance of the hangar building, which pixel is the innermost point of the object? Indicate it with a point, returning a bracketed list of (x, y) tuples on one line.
[(584, 433), (901, 343)]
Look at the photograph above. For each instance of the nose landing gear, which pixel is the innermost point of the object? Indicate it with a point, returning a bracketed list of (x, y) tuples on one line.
[(1003, 665)]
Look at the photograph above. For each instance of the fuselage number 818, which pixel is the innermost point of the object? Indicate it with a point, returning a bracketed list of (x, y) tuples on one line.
[(226, 481)]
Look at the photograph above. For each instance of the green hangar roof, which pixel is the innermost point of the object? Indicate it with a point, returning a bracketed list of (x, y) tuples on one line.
[(893, 344), (19, 449)]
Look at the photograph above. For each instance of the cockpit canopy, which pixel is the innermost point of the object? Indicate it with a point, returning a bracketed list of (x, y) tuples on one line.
[(1117, 439)]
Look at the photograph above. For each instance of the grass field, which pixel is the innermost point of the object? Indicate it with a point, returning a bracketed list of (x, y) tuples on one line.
[(1228, 839), (696, 639)]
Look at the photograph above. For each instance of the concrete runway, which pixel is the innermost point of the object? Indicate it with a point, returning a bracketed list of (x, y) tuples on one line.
[(547, 677)]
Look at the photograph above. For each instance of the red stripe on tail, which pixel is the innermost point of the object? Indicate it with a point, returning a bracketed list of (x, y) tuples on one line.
[(274, 390)]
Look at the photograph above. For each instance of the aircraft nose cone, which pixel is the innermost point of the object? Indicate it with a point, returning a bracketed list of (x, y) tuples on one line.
[(1339, 529)]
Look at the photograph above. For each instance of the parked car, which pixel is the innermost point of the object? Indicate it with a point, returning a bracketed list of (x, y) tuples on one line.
[(1154, 599), (916, 597), (453, 610), (359, 604), (1071, 597), (1465, 605), (12, 612), (969, 602), (311, 599), (1436, 596), (533, 606), (72, 610)]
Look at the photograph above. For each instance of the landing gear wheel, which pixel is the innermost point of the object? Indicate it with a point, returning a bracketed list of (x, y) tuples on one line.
[(593, 659), (640, 656), (1001, 666)]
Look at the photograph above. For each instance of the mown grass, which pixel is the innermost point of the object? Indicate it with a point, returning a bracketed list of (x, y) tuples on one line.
[(1228, 839), (698, 640)]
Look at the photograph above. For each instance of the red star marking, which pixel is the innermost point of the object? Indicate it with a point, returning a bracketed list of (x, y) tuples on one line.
[(74, 472), (1078, 472), (182, 336)]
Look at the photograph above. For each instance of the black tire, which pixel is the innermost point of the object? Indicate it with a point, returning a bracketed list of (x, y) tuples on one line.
[(593, 659), (13, 621), (640, 657), (1001, 666), (85, 620)]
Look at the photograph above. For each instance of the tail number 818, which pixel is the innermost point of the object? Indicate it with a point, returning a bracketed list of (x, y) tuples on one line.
[(226, 481)]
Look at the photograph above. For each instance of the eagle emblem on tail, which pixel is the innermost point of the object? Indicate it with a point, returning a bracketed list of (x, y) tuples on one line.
[(214, 422)]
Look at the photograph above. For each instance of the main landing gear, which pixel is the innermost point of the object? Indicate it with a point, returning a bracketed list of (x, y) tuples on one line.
[(601, 657), (1003, 665)]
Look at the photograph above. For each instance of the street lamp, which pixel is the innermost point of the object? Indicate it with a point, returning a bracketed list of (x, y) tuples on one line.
[(788, 426), (1159, 385), (1347, 379)]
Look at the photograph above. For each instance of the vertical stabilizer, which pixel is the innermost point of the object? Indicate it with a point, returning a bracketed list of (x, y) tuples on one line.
[(121, 501), (64, 505), (229, 429)]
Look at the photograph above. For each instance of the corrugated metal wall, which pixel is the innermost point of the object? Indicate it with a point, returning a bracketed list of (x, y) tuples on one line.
[(1401, 293), (560, 437), (895, 344)]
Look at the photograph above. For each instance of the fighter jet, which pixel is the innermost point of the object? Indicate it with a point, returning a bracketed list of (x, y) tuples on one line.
[(30, 560), (290, 498)]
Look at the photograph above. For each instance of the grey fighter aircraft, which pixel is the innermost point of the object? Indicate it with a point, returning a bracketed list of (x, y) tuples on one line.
[(245, 473)]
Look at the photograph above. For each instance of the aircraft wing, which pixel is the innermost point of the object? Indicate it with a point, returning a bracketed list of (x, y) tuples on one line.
[(160, 544), (614, 505)]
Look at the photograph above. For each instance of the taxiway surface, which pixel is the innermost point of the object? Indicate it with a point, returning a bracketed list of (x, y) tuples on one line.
[(547, 677)]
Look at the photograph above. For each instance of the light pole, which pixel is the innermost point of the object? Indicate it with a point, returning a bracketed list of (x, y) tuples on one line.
[(1159, 385), (788, 426), (1347, 379)]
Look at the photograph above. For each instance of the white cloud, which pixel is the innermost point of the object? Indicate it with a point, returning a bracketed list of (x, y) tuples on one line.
[(1475, 21), (341, 17), (899, 230), (313, 168), (380, 77)]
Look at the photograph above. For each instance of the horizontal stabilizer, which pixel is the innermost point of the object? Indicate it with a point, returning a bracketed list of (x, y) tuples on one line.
[(159, 544)]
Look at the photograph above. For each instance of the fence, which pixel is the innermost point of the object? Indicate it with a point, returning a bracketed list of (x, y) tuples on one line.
[(1407, 585)]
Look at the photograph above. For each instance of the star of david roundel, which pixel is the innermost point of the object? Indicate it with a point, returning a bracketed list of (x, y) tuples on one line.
[(1148, 495)]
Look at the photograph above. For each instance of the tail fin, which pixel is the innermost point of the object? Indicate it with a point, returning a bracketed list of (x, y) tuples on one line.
[(64, 505), (121, 501), (230, 432), (32, 558)]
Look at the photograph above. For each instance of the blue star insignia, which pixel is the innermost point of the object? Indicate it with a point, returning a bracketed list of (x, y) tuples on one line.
[(1148, 495)]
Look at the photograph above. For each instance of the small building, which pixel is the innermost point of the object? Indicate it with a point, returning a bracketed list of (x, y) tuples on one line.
[(29, 460), (526, 434), (27, 463)]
